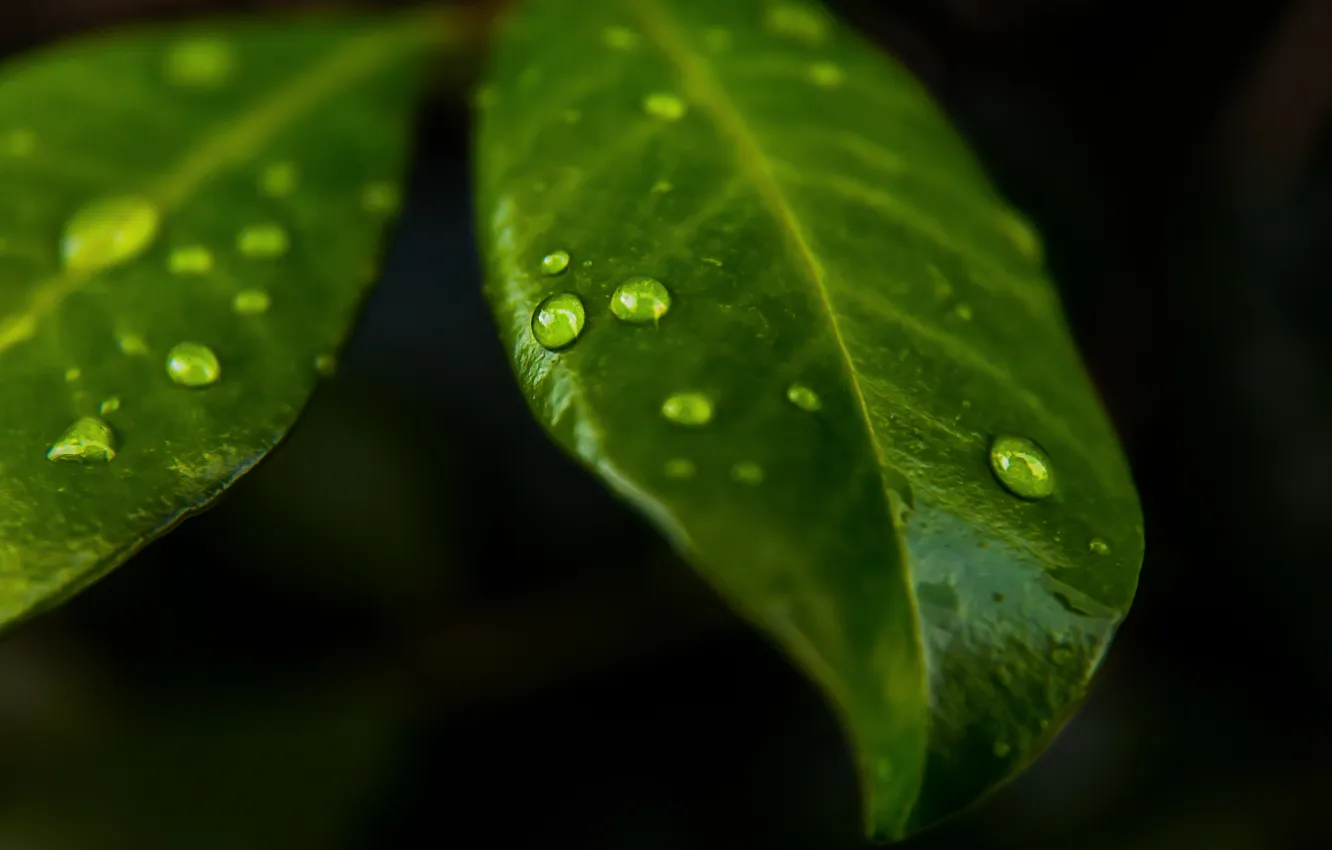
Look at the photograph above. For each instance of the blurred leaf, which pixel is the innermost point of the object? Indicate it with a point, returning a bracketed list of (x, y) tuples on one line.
[(859, 316), (280, 770), (226, 186)]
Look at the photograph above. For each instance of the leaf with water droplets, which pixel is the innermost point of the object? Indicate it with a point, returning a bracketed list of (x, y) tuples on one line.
[(158, 187), (863, 417)]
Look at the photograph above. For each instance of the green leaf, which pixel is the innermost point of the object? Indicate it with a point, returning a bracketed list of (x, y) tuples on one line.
[(225, 186), (854, 317)]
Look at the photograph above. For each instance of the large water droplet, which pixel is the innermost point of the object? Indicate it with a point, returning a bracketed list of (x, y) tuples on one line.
[(200, 63), (688, 409), (555, 262), (667, 107), (88, 439), (640, 299), (797, 22), (250, 302), (619, 38), (680, 468), (558, 321), (109, 406), (381, 198), (109, 231), (278, 180), (1023, 467), (826, 75), (1097, 546), (190, 260), (803, 397), (326, 365), (193, 364), (747, 472), (263, 241)]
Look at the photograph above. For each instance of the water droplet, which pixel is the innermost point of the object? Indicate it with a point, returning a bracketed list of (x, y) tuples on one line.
[(555, 262), (131, 344), (619, 38), (680, 468), (326, 365), (558, 321), (1002, 749), (278, 180), (803, 397), (193, 364), (826, 75), (797, 22), (640, 299), (661, 187), (717, 39), (251, 302), (190, 260), (667, 107), (109, 231), (109, 406), (72, 375), (200, 63), (688, 409), (1022, 235), (1023, 467), (18, 143), (1097, 546), (747, 472), (381, 198), (963, 312), (88, 439), (263, 241)]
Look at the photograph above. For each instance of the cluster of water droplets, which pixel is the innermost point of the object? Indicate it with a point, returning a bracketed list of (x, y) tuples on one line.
[(113, 230)]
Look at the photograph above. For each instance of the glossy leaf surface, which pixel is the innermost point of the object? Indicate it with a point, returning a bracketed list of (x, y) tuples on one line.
[(189, 219), (855, 316)]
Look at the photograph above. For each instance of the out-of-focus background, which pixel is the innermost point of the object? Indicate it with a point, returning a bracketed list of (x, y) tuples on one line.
[(369, 644)]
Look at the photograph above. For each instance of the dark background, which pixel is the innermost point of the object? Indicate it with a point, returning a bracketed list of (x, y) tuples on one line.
[(372, 643)]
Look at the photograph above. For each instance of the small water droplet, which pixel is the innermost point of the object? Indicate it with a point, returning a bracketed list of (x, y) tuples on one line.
[(555, 262), (717, 39), (193, 364), (688, 409), (1022, 235), (88, 439), (263, 241), (131, 344), (619, 38), (571, 116), (109, 406), (803, 397), (1097, 546), (326, 365), (18, 143), (205, 62), (1002, 749), (797, 22), (661, 187), (381, 198), (1023, 467), (278, 180), (109, 231), (72, 375), (826, 75), (190, 260), (667, 107), (251, 302), (558, 320), (640, 299), (963, 312), (747, 472), (680, 468)]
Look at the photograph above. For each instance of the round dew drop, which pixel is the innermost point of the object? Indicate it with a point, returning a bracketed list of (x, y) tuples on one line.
[(193, 364), (109, 406), (1022, 467), (263, 241), (797, 22), (667, 107), (558, 320), (803, 397), (88, 439), (826, 75), (1097, 546), (108, 232), (639, 300), (326, 365), (690, 409), (190, 260), (555, 262), (251, 302)]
